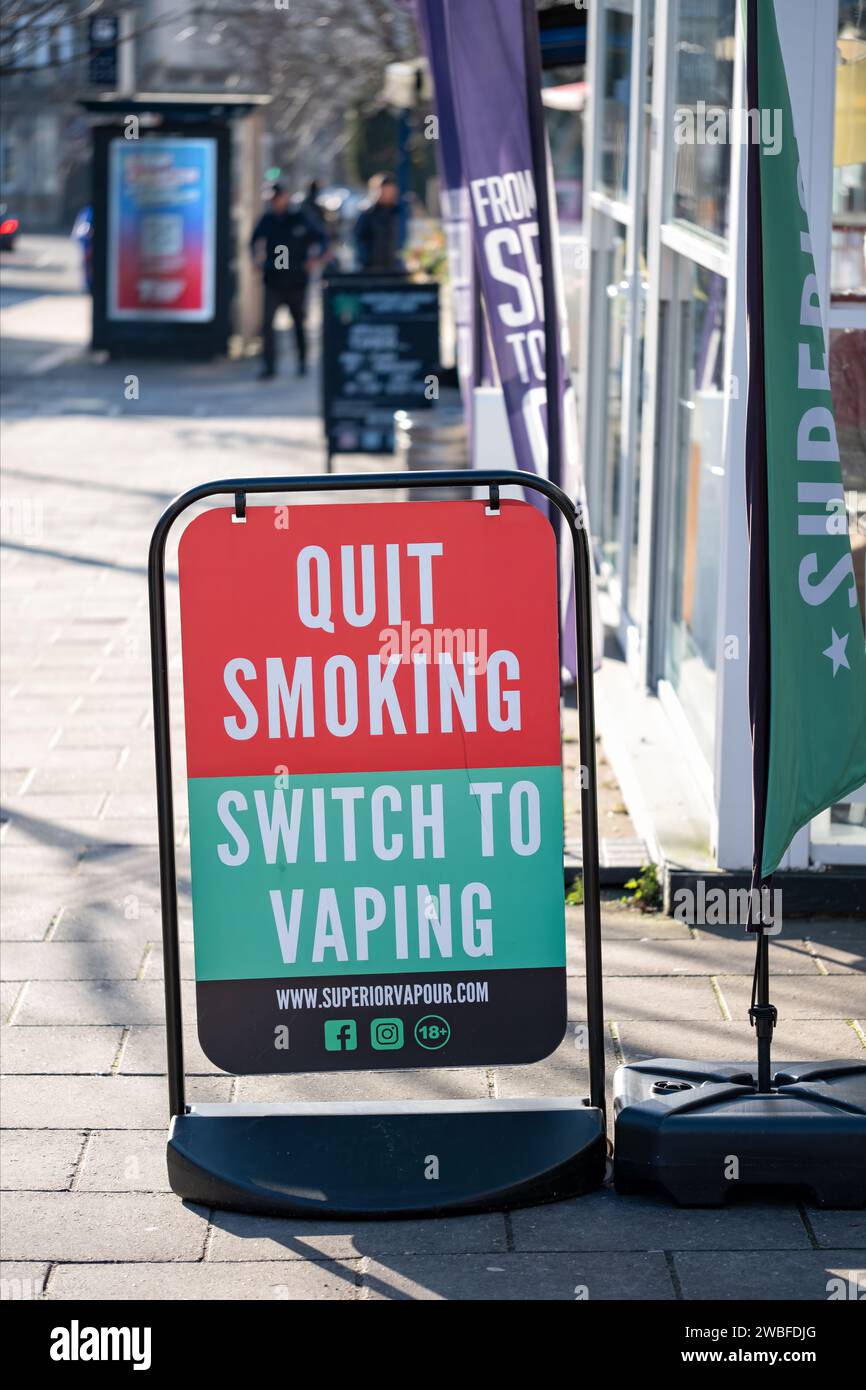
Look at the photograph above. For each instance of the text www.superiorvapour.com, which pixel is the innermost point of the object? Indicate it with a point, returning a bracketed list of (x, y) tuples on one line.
[(387, 996)]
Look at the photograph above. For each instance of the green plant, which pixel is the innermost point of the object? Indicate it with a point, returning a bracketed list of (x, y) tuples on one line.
[(428, 257), (645, 890), (574, 896)]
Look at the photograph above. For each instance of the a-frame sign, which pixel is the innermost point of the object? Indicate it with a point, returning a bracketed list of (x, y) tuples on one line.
[(372, 720)]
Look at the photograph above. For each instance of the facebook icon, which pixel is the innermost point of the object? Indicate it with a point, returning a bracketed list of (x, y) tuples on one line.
[(341, 1035)]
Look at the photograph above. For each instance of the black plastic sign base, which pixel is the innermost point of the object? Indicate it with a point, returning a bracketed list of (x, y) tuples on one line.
[(702, 1132), (354, 1159)]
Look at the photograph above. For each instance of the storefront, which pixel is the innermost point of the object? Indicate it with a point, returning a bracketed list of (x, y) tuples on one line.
[(661, 371)]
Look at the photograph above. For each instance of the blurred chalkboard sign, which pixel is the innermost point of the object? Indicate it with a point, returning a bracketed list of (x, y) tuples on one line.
[(103, 36), (380, 354)]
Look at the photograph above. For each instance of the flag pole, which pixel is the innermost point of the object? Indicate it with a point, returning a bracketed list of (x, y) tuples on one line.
[(583, 576), (538, 146), (762, 1014), (552, 344)]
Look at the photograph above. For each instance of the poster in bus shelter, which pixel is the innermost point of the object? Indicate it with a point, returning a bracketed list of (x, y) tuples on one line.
[(371, 703), (162, 228)]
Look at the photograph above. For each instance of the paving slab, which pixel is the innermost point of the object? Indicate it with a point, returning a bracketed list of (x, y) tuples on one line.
[(830, 997), (628, 924), (43, 1160), (110, 835), (154, 968), (97, 1102), (97, 731), (35, 863), (697, 957), (239, 1237), (29, 747), (9, 1000), (19, 834), (129, 1160), (95, 1001), (288, 1280), (96, 1226), (131, 916), (144, 1052), (137, 805), (836, 942), (840, 1230), (469, 1083), (55, 960), (564, 1073), (834, 931), (519, 1277), (31, 905), (59, 1050), (119, 862), (13, 778), (606, 1221), (839, 958), (22, 1281), (83, 759), (801, 1275), (717, 1040), (75, 806), (650, 997), (72, 777)]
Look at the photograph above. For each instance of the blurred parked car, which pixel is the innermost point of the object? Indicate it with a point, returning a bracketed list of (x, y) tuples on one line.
[(9, 227)]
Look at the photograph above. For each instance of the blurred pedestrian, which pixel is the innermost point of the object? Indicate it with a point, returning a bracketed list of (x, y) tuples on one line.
[(377, 230), (310, 202), (82, 232), (316, 213), (286, 245)]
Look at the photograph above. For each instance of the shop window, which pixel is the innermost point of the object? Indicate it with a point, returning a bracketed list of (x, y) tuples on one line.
[(564, 92), (634, 539), (615, 311), (703, 98), (614, 104), (848, 384), (695, 504), (564, 96), (848, 248)]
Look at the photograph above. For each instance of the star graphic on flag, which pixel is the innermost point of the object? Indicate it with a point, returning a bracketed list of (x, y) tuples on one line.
[(836, 651)]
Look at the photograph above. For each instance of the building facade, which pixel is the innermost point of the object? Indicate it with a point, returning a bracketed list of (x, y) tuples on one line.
[(661, 375), (52, 56)]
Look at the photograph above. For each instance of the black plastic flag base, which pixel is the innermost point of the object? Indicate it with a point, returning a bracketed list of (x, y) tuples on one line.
[(365, 1159), (703, 1133)]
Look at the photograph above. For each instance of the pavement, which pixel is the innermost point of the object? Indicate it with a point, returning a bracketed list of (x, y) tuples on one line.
[(87, 1213)]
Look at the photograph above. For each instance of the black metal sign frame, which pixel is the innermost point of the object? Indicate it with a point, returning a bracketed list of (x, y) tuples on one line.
[(357, 1158)]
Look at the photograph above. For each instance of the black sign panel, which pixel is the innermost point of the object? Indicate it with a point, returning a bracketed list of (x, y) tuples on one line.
[(380, 351), (103, 34)]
